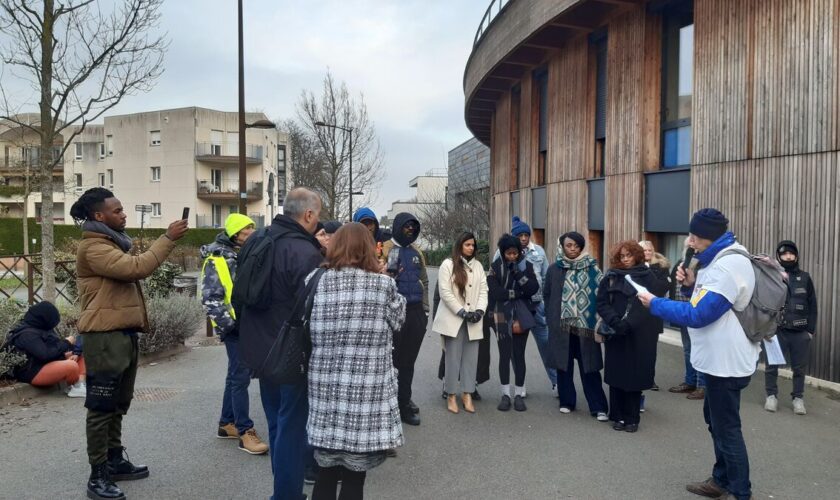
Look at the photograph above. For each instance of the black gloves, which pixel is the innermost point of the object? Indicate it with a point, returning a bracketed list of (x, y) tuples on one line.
[(463, 314), (475, 317)]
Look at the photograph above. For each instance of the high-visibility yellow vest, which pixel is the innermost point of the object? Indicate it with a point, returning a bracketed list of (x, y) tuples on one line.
[(224, 277)]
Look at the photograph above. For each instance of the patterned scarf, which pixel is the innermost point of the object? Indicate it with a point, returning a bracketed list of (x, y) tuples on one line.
[(579, 289)]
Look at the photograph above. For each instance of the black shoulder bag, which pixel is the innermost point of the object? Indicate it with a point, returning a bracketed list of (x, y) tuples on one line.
[(288, 359)]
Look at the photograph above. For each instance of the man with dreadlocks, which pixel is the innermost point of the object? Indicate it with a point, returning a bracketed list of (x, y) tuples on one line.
[(112, 313)]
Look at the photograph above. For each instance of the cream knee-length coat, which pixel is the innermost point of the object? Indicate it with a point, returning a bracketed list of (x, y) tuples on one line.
[(447, 322)]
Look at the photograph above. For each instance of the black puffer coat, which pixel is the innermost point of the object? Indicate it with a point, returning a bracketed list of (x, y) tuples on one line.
[(630, 359), (36, 339)]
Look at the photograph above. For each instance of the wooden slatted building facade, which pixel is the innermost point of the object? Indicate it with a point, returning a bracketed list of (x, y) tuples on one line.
[(618, 118)]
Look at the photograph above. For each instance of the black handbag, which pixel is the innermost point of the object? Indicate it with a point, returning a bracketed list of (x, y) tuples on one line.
[(287, 362)]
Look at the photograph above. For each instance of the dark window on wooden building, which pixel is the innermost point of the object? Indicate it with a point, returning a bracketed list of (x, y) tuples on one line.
[(541, 82), (677, 84), (600, 44)]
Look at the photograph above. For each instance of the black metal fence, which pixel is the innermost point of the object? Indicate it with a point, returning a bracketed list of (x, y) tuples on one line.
[(21, 279)]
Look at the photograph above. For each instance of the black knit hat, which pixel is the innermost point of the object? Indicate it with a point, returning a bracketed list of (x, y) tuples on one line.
[(708, 223), (508, 241), (331, 226), (574, 236)]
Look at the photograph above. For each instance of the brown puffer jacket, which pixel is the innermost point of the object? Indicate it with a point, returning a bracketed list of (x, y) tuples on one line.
[(108, 280)]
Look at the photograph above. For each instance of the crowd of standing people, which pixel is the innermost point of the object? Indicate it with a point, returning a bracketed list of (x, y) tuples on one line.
[(366, 296)]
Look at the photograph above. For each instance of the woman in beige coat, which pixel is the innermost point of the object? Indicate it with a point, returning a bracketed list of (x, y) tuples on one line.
[(463, 295)]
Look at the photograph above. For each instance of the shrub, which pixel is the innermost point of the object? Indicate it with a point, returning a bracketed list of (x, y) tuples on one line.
[(436, 257), (10, 313), (161, 282), (171, 321)]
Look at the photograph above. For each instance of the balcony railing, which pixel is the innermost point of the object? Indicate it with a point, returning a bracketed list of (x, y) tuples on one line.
[(204, 220), (227, 189), (493, 10), (227, 152)]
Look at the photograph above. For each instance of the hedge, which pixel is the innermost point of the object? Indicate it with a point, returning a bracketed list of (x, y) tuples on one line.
[(11, 240), (436, 257)]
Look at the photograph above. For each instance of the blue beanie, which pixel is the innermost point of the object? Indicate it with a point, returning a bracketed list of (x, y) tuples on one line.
[(708, 223), (364, 213), (519, 227)]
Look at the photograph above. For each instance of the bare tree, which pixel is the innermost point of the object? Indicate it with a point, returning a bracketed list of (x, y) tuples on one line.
[(329, 172), (79, 59), (465, 211), (307, 160)]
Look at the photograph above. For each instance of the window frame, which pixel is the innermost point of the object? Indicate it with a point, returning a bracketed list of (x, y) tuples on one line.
[(110, 178), (153, 170), (77, 151), (683, 16), (157, 210), (101, 177), (152, 141), (101, 150)]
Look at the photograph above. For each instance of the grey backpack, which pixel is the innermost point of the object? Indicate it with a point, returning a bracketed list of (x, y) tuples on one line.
[(764, 313)]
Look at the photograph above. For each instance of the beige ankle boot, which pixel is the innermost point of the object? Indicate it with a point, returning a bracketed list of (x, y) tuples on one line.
[(466, 398), (452, 404)]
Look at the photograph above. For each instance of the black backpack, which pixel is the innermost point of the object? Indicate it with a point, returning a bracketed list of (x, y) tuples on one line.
[(254, 269)]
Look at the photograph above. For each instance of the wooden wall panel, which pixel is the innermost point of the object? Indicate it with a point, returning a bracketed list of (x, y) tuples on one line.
[(624, 208), (571, 131), (500, 145), (526, 132), (500, 222), (567, 211), (796, 77), (773, 199), (633, 97), (722, 32)]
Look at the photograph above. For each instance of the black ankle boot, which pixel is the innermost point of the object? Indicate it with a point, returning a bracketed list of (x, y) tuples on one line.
[(121, 469), (100, 486)]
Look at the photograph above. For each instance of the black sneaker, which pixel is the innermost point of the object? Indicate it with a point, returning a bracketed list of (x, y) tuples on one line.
[(476, 396), (631, 427), (413, 407), (519, 403), (504, 404), (618, 426)]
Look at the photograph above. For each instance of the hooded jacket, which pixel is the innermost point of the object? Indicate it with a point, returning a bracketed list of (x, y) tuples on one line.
[(366, 213), (296, 254), (36, 339), (801, 306), (213, 291), (412, 279)]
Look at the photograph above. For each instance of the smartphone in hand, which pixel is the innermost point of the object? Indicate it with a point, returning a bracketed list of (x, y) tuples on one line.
[(186, 214)]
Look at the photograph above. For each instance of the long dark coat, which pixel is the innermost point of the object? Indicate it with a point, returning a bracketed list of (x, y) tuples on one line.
[(630, 359), (558, 337)]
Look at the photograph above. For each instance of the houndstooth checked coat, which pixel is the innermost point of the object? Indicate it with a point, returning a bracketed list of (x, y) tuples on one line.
[(352, 382)]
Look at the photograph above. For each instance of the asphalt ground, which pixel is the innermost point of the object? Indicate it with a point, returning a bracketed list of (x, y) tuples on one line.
[(538, 454)]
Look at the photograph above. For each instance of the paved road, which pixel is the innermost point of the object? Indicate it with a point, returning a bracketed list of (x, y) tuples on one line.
[(536, 454)]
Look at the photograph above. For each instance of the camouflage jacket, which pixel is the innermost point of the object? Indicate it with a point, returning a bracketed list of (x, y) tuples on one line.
[(212, 290)]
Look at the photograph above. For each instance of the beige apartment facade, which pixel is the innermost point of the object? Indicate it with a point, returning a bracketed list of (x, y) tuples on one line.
[(171, 159)]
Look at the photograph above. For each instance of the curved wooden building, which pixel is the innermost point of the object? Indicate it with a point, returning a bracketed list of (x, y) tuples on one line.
[(618, 118)]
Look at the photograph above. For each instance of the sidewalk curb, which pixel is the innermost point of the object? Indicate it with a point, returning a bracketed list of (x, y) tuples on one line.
[(671, 336), (18, 393)]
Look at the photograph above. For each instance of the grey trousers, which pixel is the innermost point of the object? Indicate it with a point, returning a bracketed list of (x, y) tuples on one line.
[(461, 357), (795, 346)]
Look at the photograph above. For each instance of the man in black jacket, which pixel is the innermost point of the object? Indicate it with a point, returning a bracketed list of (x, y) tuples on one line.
[(797, 330), (296, 254)]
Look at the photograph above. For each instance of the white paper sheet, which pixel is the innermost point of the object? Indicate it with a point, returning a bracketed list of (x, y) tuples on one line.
[(774, 352), (639, 288)]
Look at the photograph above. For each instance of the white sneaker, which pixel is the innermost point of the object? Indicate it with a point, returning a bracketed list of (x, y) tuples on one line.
[(77, 390), (798, 406), (563, 409), (602, 417), (771, 404)]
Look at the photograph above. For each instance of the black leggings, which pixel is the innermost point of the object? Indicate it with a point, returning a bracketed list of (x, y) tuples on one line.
[(512, 346), (352, 484)]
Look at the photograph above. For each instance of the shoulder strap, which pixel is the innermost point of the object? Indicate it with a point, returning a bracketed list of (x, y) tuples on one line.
[(311, 288)]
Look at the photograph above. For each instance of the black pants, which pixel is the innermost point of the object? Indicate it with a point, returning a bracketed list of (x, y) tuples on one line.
[(407, 344), (795, 345), (111, 359), (625, 406), (512, 348), (352, 484)]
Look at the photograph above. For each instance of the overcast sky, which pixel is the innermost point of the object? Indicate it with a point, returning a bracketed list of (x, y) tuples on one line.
[(406, 56)]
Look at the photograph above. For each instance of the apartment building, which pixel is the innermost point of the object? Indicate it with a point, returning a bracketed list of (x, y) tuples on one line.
[(171, 159)]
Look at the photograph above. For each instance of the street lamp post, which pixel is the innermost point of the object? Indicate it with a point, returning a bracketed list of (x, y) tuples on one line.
[(349, 131), (243, 181)]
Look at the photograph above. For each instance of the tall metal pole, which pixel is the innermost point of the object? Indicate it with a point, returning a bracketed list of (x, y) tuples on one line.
[(243, 185), (350, 131)]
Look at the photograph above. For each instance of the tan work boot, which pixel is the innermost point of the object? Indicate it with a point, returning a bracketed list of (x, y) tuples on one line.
[(452, 403), (249, 442), (227, 431), (466, 398)]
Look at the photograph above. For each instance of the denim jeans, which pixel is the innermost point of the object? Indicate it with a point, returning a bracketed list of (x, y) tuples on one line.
[(286, 410), (593, 390), (721, 411), (692, 376), (235, 401), (540, 333)]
